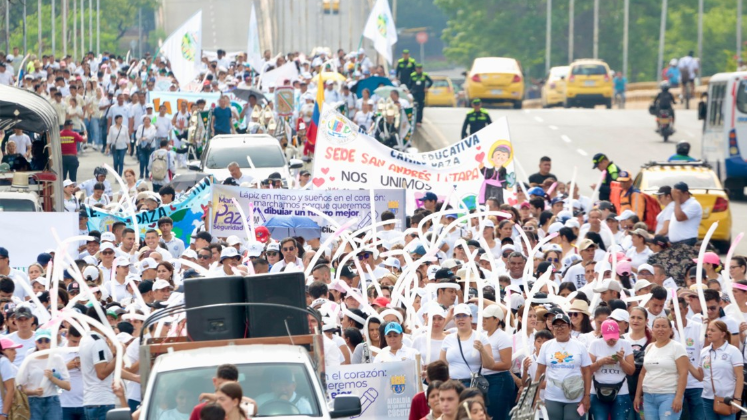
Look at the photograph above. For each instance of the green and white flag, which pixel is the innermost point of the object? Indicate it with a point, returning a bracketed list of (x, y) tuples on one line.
[(381, 30), (183, 49)]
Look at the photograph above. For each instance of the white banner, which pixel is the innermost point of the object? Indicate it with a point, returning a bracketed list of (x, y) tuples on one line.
[(29, 234), (471, 170), (385, 389), (381, 30), (183, 48), (340, 205), (276, 77)]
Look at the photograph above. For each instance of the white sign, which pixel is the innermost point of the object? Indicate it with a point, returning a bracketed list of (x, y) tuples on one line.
[(29, 234), (183, 48)]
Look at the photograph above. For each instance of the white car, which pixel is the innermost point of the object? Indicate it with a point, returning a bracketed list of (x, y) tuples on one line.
[(19, 201), (258, 156)]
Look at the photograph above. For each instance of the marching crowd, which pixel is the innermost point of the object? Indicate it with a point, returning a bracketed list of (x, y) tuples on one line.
[(605, 308)]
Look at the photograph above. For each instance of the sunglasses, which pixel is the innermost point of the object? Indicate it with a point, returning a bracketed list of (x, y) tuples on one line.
[(712, 308), (43, 340), (575, 314), (363, 255), (204, 257), (271, 253), (289, 249), (107, 253), (506, 254), (553, 260), (461, 316)]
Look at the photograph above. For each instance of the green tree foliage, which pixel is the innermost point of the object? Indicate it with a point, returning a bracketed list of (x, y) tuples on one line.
[(517, 29)]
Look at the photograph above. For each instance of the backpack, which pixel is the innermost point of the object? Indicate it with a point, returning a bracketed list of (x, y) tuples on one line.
[(19, 409), (652, 209), (160, 167)]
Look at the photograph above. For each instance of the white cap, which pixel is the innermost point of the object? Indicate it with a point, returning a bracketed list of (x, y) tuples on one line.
[(646, 267), (274, 246), (620, 315), (641, 284), (67, 183), (507, 247), (493, 311), (432, 272), (147, 264), (516, 301), (254, 249), (122, 261), (124, 337), (160, 284), (90, 260), (555, 227), (392, 262), (627, 214), (108, 237), (488, 223), (233, 240), (91, 272), (608, 284), (189, 253), (463, 309), (572, 223), (228, 252), (106, 246), (450, 263)]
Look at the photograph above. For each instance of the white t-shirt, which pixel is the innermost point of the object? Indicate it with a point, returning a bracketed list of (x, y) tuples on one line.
[(611, 374), (132, 355), (562, 360), (498, 341), (404, 353), (28, 344), (722, 361), (693, 347), (7, 369), (33, 375), (661, 368), (457, 368), (94, 350), (636, 345), (575, 275), (664, 216), (420, 343), (679, 231), (18, 277), (74, 397), (638, 258), (23, 143)]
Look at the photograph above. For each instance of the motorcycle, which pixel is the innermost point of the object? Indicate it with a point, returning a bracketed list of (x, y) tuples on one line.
[(664, 122)]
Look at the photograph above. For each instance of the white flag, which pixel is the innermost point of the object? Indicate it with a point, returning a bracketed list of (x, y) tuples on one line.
[(183, 49), (254, 56), (380, 29)]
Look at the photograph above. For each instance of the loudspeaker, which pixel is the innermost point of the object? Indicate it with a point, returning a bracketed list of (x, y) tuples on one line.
[(221, 323), (282, 288)]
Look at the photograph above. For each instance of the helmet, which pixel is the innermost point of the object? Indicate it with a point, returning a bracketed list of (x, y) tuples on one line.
[(683, 148), (673, 62), (100, 170), (664, 85)]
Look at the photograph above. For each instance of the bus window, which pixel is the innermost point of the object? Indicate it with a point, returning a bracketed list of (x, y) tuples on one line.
[(715, 108), (742, 97)]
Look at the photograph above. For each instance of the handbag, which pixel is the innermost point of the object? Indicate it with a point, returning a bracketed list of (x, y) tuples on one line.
[(476, 379), (19, 409), (719, 406), (607, 393)]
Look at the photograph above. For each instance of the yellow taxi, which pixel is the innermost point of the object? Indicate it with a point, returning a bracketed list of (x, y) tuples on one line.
[(331, 6), (495, 79), (589, 83), (553, 91), (441, 93), (705, 187)]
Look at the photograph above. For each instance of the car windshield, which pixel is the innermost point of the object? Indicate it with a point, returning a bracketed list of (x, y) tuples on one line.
[(440, 83), (7, 204), (693, 179), (589, 70), (558, 72), (278, 389), (262, 156)]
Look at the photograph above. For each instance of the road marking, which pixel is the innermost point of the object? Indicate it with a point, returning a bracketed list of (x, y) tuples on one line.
[(565, 138), (526, 111), (538, 119), (552, 127), (582, 152)]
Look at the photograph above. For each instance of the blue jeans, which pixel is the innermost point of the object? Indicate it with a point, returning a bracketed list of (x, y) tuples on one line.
[(119, 155), (133, 405), (143, 155), (710, 415), (94, 133), (97, 412), (616, 410), (501, 395), (73, 413), (47, 408), (694, 402), (659, 407)]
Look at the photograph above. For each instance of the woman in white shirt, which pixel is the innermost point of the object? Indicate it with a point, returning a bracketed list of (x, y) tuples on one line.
[(566, 363), (661, 384), (721, 365), (612, 360), (364, 117), (502, 392), (75, 113), (8, 371), (42, 378), (118, 142), (639, 252), (395, 351), (145, 137), (457, 349), (420, 343)]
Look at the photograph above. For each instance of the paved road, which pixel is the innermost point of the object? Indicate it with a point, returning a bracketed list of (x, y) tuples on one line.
[(572, 136)]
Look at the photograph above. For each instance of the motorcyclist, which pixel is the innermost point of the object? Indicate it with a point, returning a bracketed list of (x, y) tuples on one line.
[(99, 175), (664, 100), (683, 153)]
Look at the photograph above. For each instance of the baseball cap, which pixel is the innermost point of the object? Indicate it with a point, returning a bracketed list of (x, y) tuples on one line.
[(189, 253), (91, 273), (493, 311), (392, 262), (623, 176), (67, 183), (42, 333), (709, 258), (627, 214), (641, 284), (7, 343), (585, 243), (620, 315), (608, 284), (255, 249), (431, 272), (44, 259), (665, 190), (476, 101), (346, 272), (561, 317), (445, 273), (4, 253), (228, 252), (381, 301), (233, 240), (646, 267), (108, 237), (73, 287), (597, 158), (681, 186), (23, 312), (642, 233), (660, 240), (623, 268), (160, 284), (462, 309), (273, 247), (610, 329), (429, 196), (420, 250), (393, 327), (149, 263), (538, 191)]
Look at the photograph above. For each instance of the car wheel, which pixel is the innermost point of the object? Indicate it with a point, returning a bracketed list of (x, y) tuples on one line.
[(566, 104), (722, 246), (608, 103), (735, 186), (518, 104)]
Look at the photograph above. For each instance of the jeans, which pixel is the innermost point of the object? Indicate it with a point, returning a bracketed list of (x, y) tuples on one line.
[(73, 413), (563, 411), (616, 410), (711, 415), (119, 156), (47, 408), (70, 165), (659, 407), (97, 412), (94, 133), (501, 395), (693, 401), (133, 405), (143, 155)]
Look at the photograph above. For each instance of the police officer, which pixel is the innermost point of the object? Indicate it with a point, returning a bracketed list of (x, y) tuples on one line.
[(419, 84), (405, 67), (476, 119), (602, 163)]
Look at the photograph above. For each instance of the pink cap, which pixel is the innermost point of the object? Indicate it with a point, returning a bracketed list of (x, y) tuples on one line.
[(623, 267), (7, 343), (709, 258), (381, 301), (610, 329)]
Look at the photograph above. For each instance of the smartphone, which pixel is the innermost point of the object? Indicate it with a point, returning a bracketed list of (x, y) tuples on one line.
[(248, 408), (581, 410)]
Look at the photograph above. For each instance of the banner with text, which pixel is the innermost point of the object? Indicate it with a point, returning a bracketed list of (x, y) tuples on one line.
[(385, 389), (340, 205), (186, 212), (26, 237), (476, 168)]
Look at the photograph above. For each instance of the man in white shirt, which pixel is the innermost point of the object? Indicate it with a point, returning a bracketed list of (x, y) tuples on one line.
[(173, 244), (163, 124), (683, 226), (19, 278), (235, 170), (6, 76), (289, 251), (22, 141), (120, 108), (97, 366), (25, 334), (331, 96)]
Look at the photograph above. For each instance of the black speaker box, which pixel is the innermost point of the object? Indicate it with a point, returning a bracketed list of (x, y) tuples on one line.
[(281, 288), (221, 323)]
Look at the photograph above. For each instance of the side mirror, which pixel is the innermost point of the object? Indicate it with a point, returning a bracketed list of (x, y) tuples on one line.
[(193, 165), (119, 414), (562, 77), (347, 406), (295, 164)]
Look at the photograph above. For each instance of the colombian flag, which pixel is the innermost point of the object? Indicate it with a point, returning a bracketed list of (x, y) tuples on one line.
[(314, 123)]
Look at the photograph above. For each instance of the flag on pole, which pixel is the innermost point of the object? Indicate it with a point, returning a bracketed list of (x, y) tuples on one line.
[(314, 123), (381, 30), (254, 56), (183, 49)]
